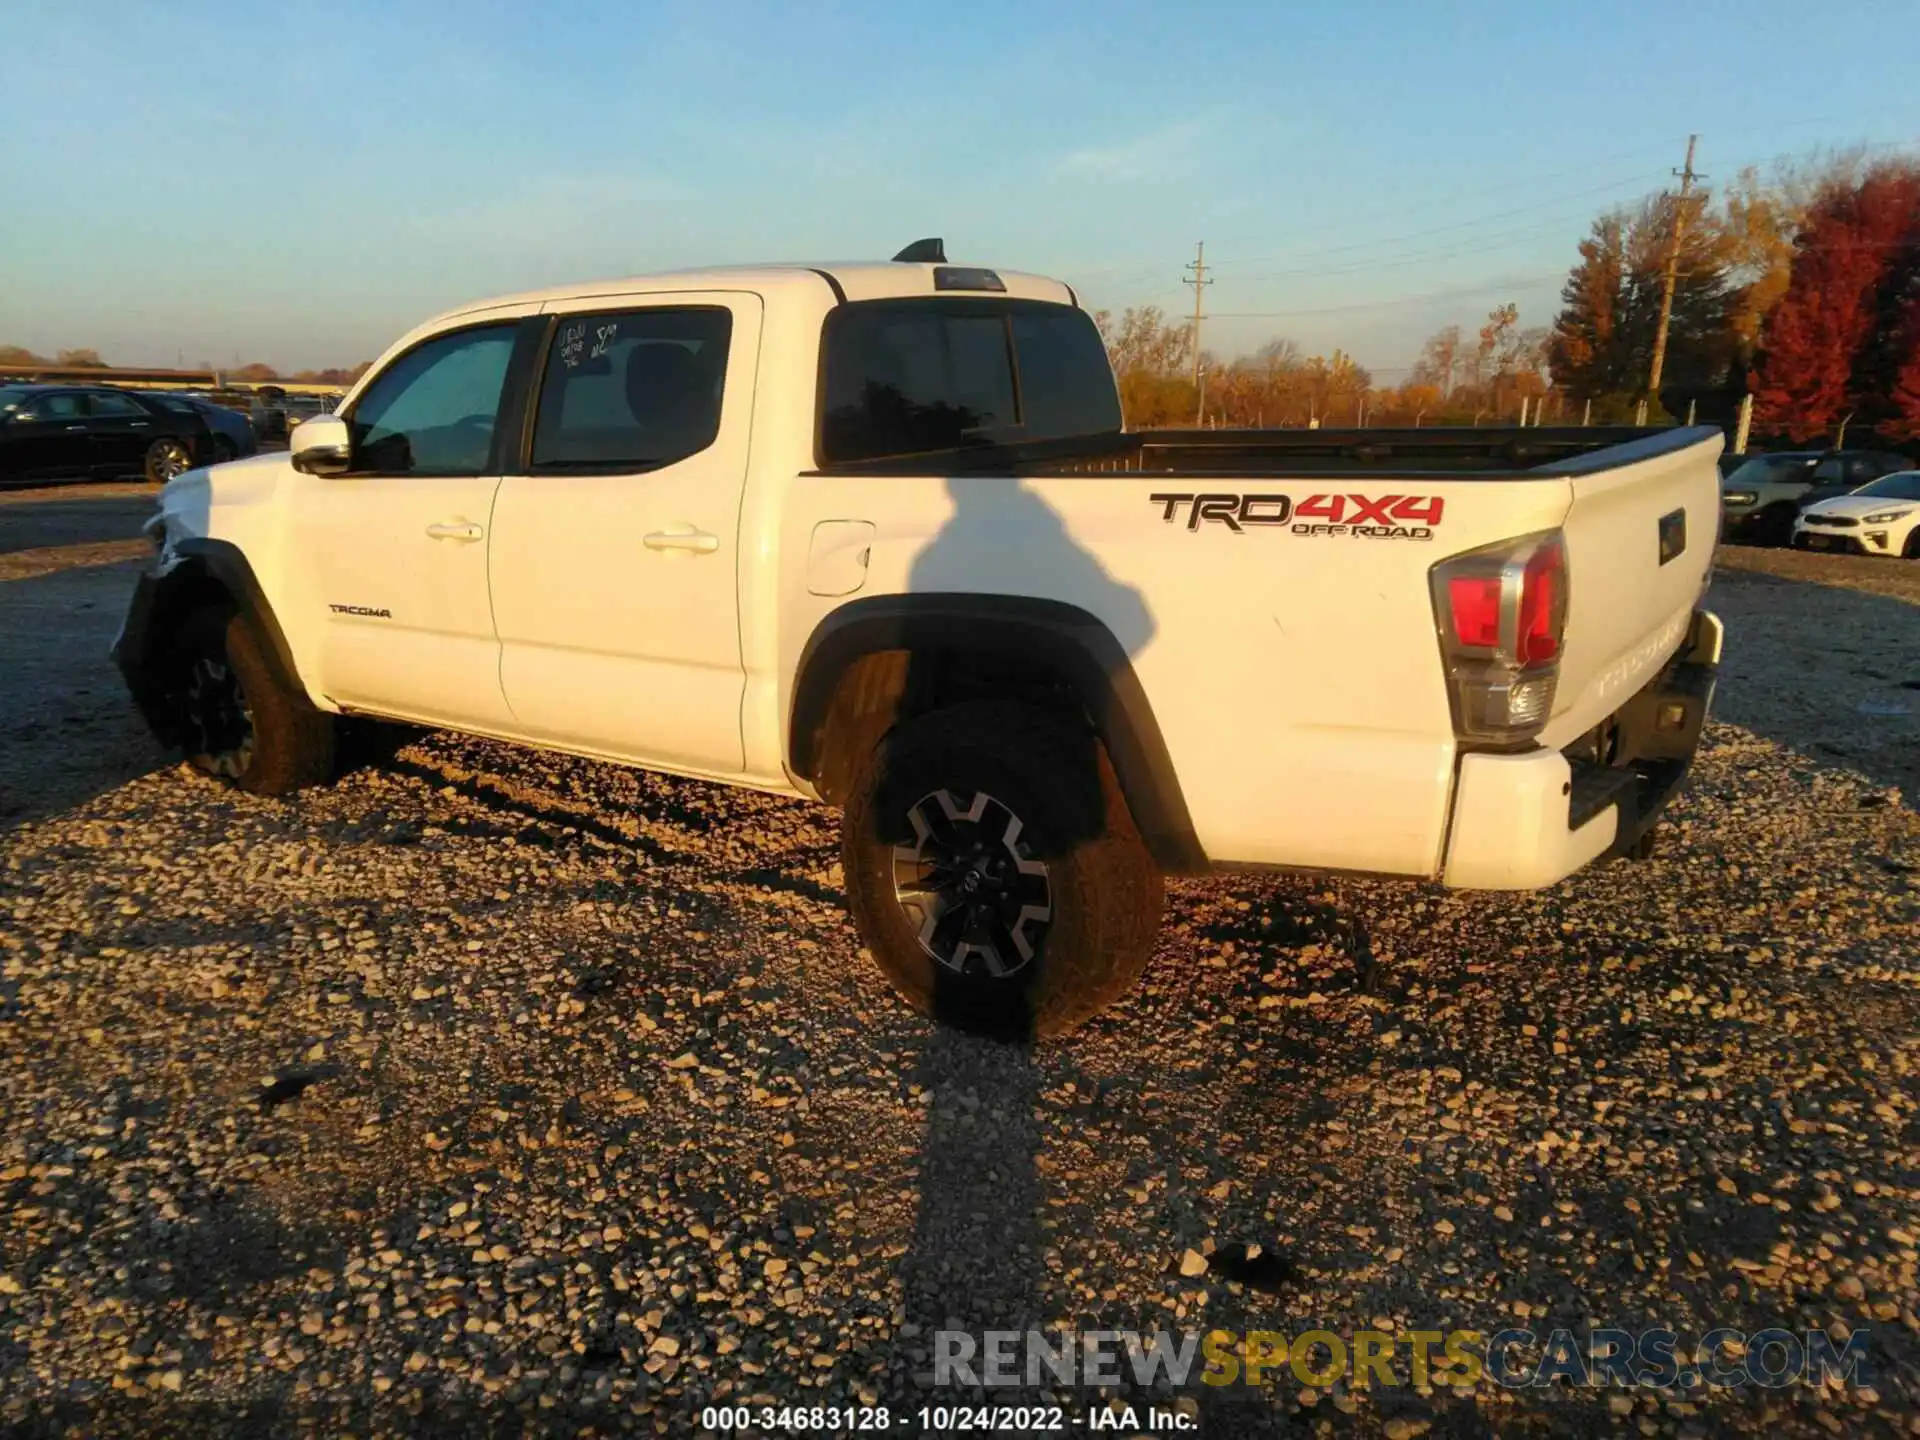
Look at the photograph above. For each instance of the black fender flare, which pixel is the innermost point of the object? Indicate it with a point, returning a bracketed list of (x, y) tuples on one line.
[(1066, 641), (160, 600)]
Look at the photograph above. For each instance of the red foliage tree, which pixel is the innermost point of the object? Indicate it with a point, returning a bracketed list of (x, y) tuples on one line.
[(1906, 381), (1826, 347)]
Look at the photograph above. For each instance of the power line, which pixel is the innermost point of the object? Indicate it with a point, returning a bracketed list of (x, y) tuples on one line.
[(1516, 282), (1119, 272), (1635, 179)]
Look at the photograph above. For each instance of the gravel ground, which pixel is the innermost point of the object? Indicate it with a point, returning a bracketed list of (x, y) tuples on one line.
[(494, 1092)]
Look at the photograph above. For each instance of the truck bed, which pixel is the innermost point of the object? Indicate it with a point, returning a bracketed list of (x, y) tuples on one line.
[(1455, 451)]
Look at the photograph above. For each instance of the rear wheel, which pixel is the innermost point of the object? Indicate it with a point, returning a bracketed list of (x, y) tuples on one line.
[(235, 718), (996, 874), (167, 458)]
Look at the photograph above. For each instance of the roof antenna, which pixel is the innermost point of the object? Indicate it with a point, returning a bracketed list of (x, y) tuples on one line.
[(931, 251)]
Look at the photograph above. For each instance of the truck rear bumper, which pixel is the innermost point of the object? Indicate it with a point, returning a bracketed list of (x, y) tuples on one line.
[(1522, 822)]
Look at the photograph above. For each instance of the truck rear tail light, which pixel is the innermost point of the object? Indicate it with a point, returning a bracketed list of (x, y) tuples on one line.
[(1501, 612)]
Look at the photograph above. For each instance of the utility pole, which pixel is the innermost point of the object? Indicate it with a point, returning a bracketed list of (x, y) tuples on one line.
[(1199, 281), (1675, 234)]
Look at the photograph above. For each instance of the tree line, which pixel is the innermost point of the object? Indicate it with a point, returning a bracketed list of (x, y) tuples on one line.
[(1458, 380), (1800, 286)]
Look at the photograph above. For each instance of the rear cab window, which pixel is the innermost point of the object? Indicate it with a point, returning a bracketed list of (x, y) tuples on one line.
[(921, 376)]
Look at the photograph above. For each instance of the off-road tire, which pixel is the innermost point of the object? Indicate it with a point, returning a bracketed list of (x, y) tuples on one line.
[(1105, 890), (288, 744)]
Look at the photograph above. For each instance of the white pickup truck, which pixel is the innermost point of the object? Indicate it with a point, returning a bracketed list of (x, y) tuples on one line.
[(873, 534)]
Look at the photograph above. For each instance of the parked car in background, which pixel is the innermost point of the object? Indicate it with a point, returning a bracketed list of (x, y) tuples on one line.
[(1882, 518), (1760, 500), (269, 412), (94, 432), (233, 436), (305, 407)]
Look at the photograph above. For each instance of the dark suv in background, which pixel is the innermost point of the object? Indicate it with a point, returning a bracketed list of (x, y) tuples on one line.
[(1762, 497)]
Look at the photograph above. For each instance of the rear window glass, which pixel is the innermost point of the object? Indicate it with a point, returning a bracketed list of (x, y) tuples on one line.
[(632, 390), (1066, 382), (912, 377)]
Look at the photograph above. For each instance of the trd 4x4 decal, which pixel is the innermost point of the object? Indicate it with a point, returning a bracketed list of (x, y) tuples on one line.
[(1370, 517)]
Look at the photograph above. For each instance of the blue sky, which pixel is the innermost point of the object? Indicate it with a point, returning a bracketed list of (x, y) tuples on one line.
[(299, 183)]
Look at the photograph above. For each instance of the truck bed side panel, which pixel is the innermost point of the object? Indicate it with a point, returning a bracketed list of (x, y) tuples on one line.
[(1294, 675)]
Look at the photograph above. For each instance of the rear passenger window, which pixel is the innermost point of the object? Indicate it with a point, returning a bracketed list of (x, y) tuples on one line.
[(912, 377), (107, 405), (634, 390)]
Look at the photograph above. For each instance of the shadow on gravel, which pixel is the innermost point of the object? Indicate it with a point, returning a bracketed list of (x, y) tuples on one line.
[(68, 730), (1830, 673), (978, 1254)]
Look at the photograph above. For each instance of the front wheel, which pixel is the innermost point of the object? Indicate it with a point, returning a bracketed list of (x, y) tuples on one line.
[(167, 458), (996, 874), (235, 718)]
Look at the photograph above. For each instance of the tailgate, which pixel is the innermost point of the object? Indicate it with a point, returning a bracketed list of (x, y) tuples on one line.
[(1640, 538)]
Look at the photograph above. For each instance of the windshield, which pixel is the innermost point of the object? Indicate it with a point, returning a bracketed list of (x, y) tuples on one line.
[(1762, 468), (1902, 485)]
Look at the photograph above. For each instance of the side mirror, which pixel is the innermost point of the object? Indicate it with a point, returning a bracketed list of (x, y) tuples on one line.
[(322, 446)]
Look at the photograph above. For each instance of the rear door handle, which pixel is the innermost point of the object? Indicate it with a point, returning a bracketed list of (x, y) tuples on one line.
[(697, 541), (455, 530)]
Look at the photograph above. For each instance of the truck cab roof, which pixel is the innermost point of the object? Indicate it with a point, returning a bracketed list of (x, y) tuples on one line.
[(845, 280)]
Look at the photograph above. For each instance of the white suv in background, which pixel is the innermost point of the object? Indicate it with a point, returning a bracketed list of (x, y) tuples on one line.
[(1878, 519)]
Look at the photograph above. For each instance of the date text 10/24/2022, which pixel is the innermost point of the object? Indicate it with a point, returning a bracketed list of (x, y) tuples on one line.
[(947, 1419)]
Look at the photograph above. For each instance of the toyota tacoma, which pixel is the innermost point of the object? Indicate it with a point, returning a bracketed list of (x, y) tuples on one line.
[(874, 534)]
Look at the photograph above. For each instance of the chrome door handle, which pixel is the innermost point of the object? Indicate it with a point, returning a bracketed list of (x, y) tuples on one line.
[(76, 427), (136, 424), (698, 541), (455, 530)]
